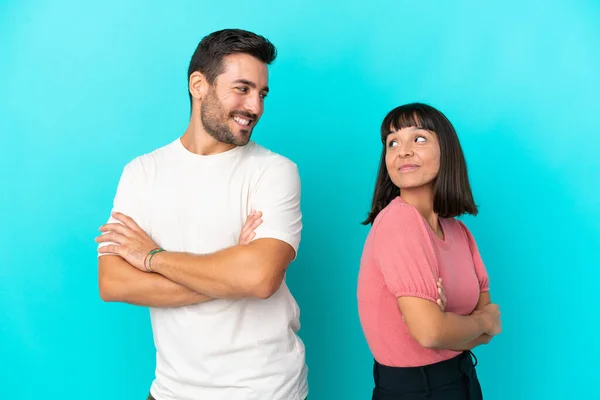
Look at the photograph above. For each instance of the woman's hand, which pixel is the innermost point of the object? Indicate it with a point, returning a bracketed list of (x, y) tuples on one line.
[(441, 302)]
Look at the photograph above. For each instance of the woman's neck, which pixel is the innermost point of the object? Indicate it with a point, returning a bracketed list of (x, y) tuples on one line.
[(422, 199)]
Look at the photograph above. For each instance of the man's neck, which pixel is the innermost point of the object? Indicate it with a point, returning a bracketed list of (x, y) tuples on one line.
[(198, 141)]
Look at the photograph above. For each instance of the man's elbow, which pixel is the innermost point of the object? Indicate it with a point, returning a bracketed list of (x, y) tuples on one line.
[(269, 260), (109, 291), (266, 285)]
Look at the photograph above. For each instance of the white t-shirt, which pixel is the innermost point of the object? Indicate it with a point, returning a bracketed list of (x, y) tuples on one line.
[(245, 349)]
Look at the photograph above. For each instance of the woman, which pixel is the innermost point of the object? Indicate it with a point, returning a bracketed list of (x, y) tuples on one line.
[(423, 293)]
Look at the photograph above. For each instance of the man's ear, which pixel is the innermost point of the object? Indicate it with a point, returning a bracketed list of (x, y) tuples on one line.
[(198, 85)]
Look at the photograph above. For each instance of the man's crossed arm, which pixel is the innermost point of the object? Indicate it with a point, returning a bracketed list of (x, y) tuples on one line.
[(249, 269)]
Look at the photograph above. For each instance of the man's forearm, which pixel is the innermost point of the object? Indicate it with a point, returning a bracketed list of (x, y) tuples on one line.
[(154, 290), (120, 282), (253, 270), (226, 274)]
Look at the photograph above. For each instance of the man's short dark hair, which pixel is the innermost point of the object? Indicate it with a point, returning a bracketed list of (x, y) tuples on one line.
[(208, 57)]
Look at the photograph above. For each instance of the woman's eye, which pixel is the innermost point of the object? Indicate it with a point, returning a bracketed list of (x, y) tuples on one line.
[(392, 143), (420, 139)]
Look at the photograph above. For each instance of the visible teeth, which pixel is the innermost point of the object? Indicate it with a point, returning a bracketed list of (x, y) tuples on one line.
[(242, 121)]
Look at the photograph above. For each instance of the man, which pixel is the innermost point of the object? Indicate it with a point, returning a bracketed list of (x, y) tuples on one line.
[(184, 240)]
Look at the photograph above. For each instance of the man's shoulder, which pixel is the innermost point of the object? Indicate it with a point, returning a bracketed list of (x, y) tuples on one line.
[(147, 162), (264, 157)]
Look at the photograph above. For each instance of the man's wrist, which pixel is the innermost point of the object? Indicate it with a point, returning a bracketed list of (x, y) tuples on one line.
[(151, 261)]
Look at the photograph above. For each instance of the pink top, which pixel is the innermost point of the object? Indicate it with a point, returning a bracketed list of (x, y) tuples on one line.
[(402, 256)]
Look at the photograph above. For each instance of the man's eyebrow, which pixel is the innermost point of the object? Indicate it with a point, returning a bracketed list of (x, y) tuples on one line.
[(251, 84)]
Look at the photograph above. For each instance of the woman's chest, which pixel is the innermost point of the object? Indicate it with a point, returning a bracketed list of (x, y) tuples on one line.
[(459, 279)]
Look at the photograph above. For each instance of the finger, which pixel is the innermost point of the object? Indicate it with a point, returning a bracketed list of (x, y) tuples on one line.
[(126, 220), (441, 290), (253, 217), (110, 248), (440, 304), (444, 299), (111, 237), (251, 224), (246, 229), (119, 228), (245, 239), (253, 214)]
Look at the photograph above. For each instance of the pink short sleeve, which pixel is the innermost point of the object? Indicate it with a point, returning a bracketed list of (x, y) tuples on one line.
[(404, 254), (480, 269)]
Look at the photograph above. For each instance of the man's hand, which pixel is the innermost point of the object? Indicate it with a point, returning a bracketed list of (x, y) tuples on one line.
[(252, 222), (130, 241), (133, 244)]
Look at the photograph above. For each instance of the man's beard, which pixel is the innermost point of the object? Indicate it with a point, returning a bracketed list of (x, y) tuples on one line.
[(215, 120)]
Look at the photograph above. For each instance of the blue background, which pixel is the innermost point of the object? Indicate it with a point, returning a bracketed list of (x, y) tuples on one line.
[(87, 87)]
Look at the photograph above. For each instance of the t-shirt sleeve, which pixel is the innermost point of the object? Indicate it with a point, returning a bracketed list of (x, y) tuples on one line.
[(480, 269), (129, 196), (404, 254), (277, 196)]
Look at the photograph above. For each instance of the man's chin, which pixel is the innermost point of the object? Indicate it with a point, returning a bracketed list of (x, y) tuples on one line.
[(243, 137), (242, 142)]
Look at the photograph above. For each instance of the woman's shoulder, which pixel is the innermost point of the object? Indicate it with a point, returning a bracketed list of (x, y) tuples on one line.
[(458, 228), (398, 214)]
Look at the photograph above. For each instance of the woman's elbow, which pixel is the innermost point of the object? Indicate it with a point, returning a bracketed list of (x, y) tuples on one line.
[(428, 334), (429, 340)]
